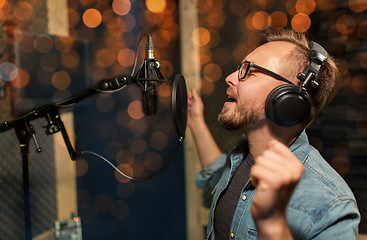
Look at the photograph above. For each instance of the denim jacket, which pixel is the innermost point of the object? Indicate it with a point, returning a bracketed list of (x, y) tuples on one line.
[(321, 207)]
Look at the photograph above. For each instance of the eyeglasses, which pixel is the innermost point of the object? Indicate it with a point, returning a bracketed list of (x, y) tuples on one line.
[(245, 66)]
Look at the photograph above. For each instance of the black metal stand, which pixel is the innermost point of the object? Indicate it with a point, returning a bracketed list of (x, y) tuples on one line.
[(24, 132)]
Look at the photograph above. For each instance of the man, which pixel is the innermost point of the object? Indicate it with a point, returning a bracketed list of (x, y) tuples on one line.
[(260, 203)]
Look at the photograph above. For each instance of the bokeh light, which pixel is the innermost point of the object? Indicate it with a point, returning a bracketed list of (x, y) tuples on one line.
[(346, 24), (158, 140), (43, 43), (135, 109), (357, 5), (8, 71), (22, 78), (359, 84), (121, 7), (70, 59), (305, 6), (92, 18), (153, 161), (126, 57), (127, 170), (61, 80), (156, 6), (301, 22), (278, 20), (201, 36), (23, 10), (260, 20)]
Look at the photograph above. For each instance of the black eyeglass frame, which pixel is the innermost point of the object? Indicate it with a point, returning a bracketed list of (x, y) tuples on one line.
[(249, 64)]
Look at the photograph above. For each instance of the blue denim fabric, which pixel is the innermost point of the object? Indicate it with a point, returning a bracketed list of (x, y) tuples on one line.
[(322, 205)]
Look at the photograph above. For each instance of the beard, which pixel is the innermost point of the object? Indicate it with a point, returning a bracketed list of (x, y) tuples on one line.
[(240, 117)]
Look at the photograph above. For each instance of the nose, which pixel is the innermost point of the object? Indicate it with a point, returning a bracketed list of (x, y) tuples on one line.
[(232, 79)]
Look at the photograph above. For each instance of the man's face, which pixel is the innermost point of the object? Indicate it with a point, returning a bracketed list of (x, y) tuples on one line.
[(246, 97)]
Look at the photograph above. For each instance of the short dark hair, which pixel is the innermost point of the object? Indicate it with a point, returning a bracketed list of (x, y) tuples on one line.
[(329, 73)]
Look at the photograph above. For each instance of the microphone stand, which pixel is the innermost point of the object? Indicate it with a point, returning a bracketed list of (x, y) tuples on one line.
[(24, 131)]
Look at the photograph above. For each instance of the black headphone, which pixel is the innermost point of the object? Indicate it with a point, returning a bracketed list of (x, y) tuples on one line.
[(289, 104)]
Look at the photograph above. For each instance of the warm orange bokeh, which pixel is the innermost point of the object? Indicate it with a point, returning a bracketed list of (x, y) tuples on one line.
[(92, 18)]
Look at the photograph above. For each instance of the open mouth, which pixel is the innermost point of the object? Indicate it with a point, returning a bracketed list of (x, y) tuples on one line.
[(231, 99)]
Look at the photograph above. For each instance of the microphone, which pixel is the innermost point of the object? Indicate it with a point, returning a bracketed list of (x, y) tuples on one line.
[(149, 77)]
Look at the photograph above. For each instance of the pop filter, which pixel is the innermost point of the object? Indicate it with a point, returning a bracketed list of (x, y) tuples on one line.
[(179, 105)]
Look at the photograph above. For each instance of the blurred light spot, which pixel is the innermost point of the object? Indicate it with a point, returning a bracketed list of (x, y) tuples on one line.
[(260, 20), (8, 71), (362, 30), (70, 59), (105, 103), (49, 62), (125, 156), (207, 87), (238, 7), (135, 109), (359, 84), (120, 209), (153, 161), (39, 24), (305, 6), (105, 58), (121, 7), (92, 18), (165, 90), (2, 3), (156, 6), (158, 140), (81, 167), (138, 145), (43, 43), (61, 80), (341, 165), (127, 170), (162, 38), (63, 44), (74, 17), (346, 24), (201, 36), (326, 5), (138, 126), (301, 22), (21, 79), (23, 10), (26, 43), (278, 20), (215, 19), (357, 5), (213, 72), (125, 190), (96, 72), (361, 125), (126, 23), (205, 55), (126, 57), (248, 21), (103, 203)]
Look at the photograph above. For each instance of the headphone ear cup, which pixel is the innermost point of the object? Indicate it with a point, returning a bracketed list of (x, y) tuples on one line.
[(287, 105)]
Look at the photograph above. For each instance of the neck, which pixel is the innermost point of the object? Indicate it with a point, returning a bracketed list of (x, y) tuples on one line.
[(258, 136)]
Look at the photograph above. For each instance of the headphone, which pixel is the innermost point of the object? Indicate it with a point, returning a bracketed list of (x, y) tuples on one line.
[(289, 104)]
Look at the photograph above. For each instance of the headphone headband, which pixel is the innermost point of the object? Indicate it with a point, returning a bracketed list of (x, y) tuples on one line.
[(310, 74)]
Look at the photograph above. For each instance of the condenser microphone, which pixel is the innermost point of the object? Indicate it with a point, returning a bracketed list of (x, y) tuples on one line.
[(149, 77)]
